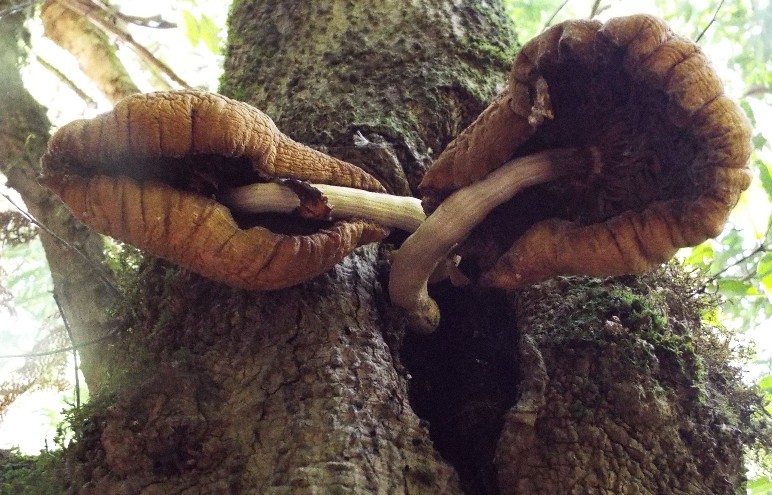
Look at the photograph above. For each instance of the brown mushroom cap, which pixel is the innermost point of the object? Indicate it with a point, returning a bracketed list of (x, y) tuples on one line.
[(148, 171), (673, 150)]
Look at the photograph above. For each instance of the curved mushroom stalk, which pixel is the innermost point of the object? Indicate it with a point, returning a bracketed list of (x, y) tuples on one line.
[(454, 219), (668, 161)]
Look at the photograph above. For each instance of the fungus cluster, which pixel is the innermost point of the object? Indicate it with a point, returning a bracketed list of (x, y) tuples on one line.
[(612, 146)]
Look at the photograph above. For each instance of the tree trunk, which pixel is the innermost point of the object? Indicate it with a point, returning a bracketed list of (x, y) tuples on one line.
[(572, 386)]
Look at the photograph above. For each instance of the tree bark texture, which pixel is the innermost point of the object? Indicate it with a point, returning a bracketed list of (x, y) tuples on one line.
[(622, 391), (406, 76), (572, 386)]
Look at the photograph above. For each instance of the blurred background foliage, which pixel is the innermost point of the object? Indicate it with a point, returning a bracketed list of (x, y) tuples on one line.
[(188, 36)]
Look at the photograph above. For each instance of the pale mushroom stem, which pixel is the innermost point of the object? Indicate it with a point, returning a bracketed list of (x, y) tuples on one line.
[(455, 218), (402, 212)]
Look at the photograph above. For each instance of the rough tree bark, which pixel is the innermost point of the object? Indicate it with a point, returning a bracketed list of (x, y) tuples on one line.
[(572, 386)]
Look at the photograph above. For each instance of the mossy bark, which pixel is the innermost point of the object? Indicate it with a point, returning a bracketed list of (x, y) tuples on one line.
[(624, 390), (406, 76)]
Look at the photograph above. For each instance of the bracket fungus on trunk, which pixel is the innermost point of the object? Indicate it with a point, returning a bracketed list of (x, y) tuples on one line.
[(652, 158), (152, 172)]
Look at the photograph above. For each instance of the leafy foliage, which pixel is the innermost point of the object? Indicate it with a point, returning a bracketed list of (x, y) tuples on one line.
[(29, 475), (202, 29), (15, 229), (38, 372), (25, 289), (760, 486), (739, 262), (531, 16)]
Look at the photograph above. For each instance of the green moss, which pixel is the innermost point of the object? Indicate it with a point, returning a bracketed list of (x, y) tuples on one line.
[(78, 422), (494, 55), (624, 311), (589, 304)]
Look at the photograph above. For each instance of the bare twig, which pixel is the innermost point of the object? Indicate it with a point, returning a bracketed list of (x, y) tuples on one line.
[(595, 10), (715, 15), (102, 276), (757, 90), (155, 22), (106, 11), (554, 14), (74, 351), (67, 81), (95, 15), (19, 6), (762, 248)]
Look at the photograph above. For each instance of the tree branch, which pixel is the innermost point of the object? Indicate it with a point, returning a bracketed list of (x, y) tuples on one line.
[(89, 10), (715, 16), (67, 81)]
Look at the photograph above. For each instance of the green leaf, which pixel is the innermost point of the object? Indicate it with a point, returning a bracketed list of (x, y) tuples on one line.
[(736, 288), (685, 11), (759, 141), (701, 255), (765, 384), (192, 29), (764, 268), (210, 34), (748, 110), (764, 273), (766, 177), (760, 486)]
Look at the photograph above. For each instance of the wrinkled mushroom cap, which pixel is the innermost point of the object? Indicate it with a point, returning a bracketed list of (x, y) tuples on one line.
[(148, 173), (673, 150)]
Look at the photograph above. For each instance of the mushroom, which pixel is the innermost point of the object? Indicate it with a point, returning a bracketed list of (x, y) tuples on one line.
[(620, 145), (153, 172)]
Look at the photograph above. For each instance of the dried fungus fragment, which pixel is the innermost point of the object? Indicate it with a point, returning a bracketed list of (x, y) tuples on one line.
[(149, 172)]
